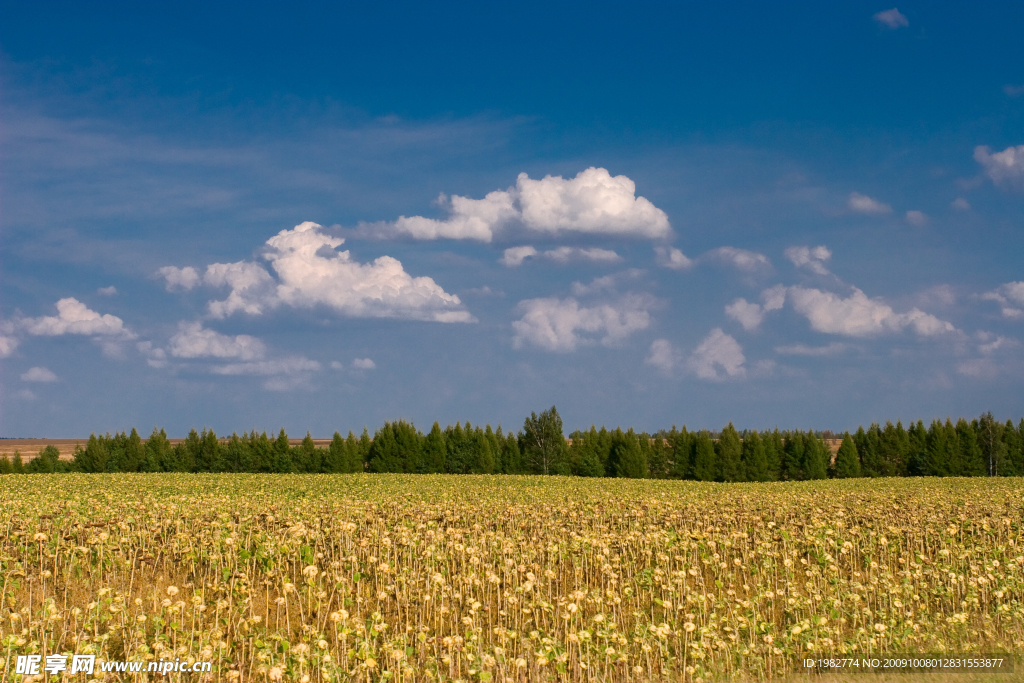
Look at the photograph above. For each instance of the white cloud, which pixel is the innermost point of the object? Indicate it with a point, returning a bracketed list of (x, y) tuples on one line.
[(750, 315), (747, 261), (811, 258), (864, 204), (561, 324), (26, 394), (311, 273), (194, 341), (859, 316), (364, 364), (74, 317), (38, 374), (745, 313), (107, 291), (282, 374), (991, 343), (891, 18), (566, 254), (515, 256), (1008, 295), (1005, 168), (278, 366), (804, 350), (917, 218), (475, 219), (178, 278), (961, 204), (1013, 90), (155, 357), (673, 258), (663, 356), (605, 283), (7, 345), (337, 365), (594, 202), (717, 357)]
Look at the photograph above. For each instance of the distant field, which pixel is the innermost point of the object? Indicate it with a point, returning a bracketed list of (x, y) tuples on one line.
[(499, 578), (29, 448)]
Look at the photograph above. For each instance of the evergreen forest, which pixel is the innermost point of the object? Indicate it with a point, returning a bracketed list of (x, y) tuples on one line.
[(981, 447)]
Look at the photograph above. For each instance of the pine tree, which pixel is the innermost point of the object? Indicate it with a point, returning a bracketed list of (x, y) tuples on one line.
[(309, 456), (17, 466), (917, 458), (434, 451), (727, 452), (847, 464), (793, 456), (157, 452), (484, 456), (626, 458), (703, 457), (5, 465), (754, 460), (972, 460), (815, 462), (1012, 448), (282, 454), (511, 458), (773, 453)]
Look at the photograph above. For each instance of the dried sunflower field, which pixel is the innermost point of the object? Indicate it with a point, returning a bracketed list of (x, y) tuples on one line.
[(477, 578)]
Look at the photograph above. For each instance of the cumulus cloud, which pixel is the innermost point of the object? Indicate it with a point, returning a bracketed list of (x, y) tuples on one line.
[(960, 204), (1006, 168), (804, 350), (750, 315), (310, 272), (811, 258), (1010, 297), (860, 316), (515, 256), (337, 365), (176, 279), (891, 18), (195, 341), (74, 317), (594, 202), (864, 204), (747, 261), (364, 364), (673, 258), (7, 345), (717, 357), (557, 324), (38, 374), (107, 291)]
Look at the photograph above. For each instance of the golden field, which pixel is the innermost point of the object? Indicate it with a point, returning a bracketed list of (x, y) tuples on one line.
[(491, 578)]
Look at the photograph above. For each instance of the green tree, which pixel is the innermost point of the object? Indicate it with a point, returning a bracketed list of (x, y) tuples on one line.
[(17, 466), (543, 441), (704, 457), (754, 459), (5, 465), (47, 462), (282, 454), (847, 464), (727, 452)]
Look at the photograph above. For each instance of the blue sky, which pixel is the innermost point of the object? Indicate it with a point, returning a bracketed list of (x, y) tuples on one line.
[(318, 217)]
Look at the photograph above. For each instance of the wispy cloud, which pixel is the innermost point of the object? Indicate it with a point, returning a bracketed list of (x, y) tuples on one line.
[(862, 203), (514, 256), (891, 19), (38, 374)]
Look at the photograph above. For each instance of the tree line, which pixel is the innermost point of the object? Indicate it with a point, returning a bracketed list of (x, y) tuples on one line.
[(981, 447)]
